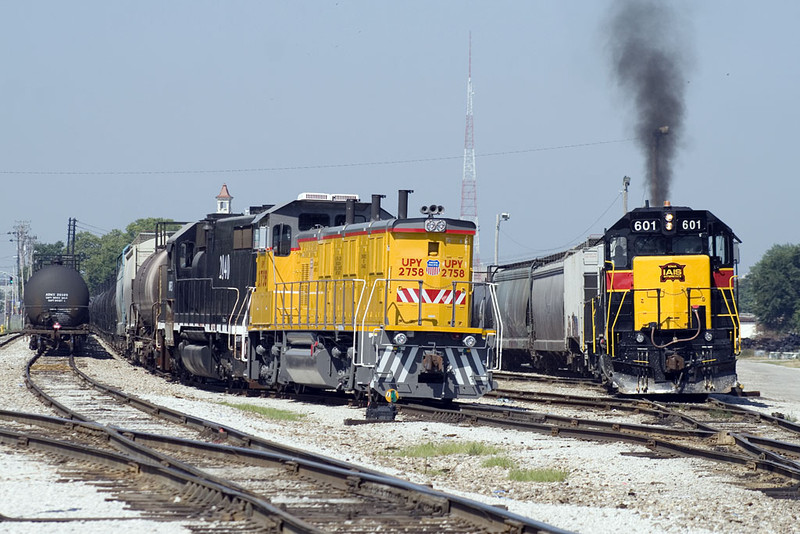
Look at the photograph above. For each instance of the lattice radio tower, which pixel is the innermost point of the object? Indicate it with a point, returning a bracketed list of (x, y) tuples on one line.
[(469, 181)]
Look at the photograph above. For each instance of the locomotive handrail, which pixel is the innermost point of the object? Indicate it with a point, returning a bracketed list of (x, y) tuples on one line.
[(230, 317), (492, 289), (244, 316), (210, 281), (732, 313), (359, 355), (610, 339), (287, 315), (360, 359), (499, 330)]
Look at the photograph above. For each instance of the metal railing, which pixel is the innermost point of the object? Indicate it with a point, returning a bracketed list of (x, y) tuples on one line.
[(340, 310), (658, 294)]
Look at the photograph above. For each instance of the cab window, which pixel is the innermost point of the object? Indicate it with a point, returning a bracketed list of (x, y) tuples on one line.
[(618, 248), (307, 221), (719, 249), (687, 244), (650, 245), (282, 239)]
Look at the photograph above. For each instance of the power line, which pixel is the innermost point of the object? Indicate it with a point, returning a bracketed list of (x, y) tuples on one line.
[(573, 241), (91, 228), (311, 167)]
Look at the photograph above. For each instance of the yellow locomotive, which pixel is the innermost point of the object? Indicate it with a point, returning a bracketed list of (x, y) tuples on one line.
[(671, 320), (377, 306), (322, 292), (649, 307)]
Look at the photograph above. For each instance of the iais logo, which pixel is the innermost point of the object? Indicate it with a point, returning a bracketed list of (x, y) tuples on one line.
[(673, 271)]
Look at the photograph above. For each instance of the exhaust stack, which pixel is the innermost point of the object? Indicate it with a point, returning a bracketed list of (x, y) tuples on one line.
[(402, 203), (376, 207)]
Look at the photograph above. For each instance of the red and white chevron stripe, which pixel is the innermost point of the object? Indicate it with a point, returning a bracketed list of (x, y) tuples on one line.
[(431, 296)]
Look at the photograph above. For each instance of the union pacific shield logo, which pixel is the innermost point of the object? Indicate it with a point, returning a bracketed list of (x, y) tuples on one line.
[(432, 267), (673, 271)]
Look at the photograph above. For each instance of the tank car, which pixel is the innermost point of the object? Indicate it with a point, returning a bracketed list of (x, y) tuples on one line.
[(322, 292), (123, 310), (56, 304), (650, 307)]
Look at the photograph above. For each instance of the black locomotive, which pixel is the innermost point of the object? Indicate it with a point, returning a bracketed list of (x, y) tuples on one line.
[(650, 307)]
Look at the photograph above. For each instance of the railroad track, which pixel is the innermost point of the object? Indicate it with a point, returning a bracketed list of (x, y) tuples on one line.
[(665, 429), (535, 377), (253, 481)]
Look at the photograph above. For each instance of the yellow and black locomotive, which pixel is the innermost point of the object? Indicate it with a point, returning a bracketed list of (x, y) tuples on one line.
[(322, 292), (650, 307), (671, 321)]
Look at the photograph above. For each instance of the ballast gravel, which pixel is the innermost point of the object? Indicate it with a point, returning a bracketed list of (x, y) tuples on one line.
[(608, 487)]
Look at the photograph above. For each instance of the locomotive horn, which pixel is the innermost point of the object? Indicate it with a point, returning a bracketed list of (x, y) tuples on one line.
[(424, 210), (433, 209)]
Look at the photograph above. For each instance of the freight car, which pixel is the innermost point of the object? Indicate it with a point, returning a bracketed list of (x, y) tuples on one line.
[(56, 304), (650, 307), (322, 292)]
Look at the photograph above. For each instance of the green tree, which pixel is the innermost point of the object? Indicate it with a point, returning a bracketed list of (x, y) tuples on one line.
[(100, 254), (775, 287), (745, 294), (49, 249)]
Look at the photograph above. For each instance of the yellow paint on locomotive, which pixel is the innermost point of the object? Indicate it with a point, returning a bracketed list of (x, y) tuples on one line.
[(367, 280), (667, 287)]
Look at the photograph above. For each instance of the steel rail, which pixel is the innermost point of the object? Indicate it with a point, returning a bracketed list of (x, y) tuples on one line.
[(137, 444), (251, 506), (607, 403), (577, 432), (517, 414), (778, 421)]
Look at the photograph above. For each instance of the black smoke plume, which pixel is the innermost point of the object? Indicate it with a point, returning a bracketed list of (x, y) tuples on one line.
[(649, 53)]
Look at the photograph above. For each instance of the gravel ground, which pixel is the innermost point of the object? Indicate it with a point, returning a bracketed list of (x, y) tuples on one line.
[(607, 487)]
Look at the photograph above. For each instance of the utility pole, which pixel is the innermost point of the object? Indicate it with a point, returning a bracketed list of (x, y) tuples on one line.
[(71, 235), (24, 264), (500, 217), (626, 181)]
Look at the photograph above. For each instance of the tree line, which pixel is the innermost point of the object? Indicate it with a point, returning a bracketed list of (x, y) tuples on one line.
[(99, 253), (771, 290)]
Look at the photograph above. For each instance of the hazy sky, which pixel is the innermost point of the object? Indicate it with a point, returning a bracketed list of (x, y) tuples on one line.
[(113, 111)]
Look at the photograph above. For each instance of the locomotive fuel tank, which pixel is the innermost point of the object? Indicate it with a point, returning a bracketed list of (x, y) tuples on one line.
[(56, 294)]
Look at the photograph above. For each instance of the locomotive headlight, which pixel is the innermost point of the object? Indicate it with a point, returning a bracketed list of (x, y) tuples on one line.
[(668, 224), (469, 341), (709, 336), (639, 337), (435, 225), (400, 338)]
